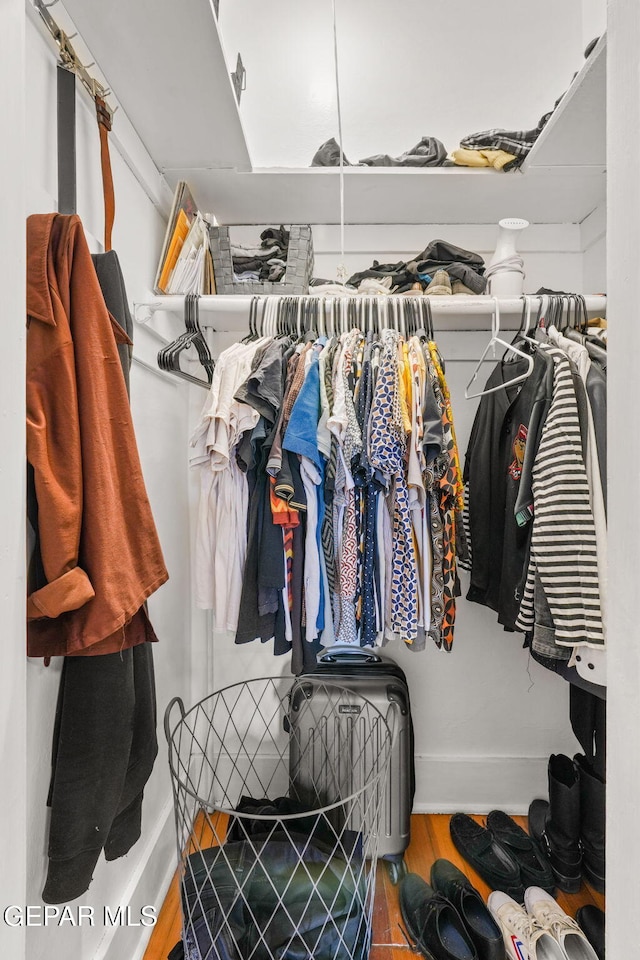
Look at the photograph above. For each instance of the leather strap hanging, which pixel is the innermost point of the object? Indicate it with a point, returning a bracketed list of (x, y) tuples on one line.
[(66, 118), (104, 126)]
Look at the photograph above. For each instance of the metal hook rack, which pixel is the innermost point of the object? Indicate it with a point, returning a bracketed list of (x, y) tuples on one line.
[(70, 59)]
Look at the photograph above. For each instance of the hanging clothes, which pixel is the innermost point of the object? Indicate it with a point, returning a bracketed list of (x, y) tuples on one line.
[(347, 485), (387, 446), (97, 556), (451, 506), (543, 510), (220, 530), (563, 554), (500, 453), (104, 738)]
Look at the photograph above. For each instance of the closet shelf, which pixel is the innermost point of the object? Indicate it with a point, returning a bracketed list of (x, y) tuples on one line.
[(166, 65), (575, 136), (230, 314), (395, 195)]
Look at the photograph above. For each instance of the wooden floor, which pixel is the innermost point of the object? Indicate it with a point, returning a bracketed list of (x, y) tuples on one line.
[(430, 839)]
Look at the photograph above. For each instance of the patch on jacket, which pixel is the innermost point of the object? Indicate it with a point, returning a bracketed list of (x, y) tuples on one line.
[(519, 445)]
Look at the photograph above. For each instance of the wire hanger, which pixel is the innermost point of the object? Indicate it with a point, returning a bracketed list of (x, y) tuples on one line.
[(497, 340)]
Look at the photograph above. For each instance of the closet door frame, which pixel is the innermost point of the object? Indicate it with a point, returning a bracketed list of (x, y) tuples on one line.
[(623, 469), (13, 698)]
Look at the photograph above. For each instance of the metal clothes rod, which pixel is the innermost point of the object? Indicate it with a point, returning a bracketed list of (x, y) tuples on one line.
[(70, 58), (238, 305)]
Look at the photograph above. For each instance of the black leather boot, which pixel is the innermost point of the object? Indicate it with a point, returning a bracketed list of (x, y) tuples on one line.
[(556, 824), (592, 817)]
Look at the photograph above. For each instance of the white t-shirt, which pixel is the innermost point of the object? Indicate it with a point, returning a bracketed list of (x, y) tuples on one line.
[(221, 530)]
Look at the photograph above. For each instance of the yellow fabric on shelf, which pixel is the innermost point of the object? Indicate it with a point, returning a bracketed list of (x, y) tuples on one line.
[(482, 158)]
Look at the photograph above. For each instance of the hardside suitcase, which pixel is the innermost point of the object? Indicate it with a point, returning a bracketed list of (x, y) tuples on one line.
[(384, 684)]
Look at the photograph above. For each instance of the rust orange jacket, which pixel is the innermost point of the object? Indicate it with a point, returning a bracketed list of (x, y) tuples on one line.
[(99, 549)]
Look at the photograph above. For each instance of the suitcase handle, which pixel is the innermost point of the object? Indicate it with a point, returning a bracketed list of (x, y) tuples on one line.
[(346, 654)]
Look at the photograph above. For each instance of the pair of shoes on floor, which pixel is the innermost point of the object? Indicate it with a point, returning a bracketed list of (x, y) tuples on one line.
[(570, 827), (540, 930), (502, 853), (448, 919)]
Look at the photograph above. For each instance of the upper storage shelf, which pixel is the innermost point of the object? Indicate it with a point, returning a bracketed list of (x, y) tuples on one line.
[(166, 65), (575, 135), (401, 195)]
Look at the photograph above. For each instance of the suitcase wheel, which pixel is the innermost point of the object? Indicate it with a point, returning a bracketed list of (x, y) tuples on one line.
[(397, 870)]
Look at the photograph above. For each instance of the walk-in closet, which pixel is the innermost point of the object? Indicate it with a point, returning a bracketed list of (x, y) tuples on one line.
[(320, 299)]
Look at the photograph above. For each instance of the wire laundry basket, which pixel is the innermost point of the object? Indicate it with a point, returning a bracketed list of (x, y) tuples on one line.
[(278, 792)]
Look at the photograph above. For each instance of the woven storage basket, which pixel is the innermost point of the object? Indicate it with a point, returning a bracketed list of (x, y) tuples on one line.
[(297, 275)]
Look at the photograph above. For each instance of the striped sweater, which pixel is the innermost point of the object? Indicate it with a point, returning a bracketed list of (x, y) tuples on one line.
[(563, 539)]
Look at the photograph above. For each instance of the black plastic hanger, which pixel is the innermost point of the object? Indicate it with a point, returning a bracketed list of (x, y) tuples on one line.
[(169, 356)]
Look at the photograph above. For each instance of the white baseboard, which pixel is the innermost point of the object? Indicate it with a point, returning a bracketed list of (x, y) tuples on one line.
[(478, 784), (148, 885)]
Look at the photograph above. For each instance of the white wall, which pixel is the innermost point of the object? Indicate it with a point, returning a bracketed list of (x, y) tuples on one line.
[(594, 19), (593, 234), (160, 409), (407, 70), (486, 716), (14, 825)]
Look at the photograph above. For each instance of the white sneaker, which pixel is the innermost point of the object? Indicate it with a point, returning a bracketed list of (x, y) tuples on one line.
[(524, 938), (548, 913)]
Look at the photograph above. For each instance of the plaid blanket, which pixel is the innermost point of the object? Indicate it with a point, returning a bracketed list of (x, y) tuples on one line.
[(518, 142)]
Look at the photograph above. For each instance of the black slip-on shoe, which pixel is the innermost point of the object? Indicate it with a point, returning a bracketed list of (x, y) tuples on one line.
[(432, 922), (484, 932), (591, 922), (535, 869), (490, 859)]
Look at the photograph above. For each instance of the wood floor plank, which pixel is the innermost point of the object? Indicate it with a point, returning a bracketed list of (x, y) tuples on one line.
[(382, 932), (395, 946), (430, 839), (420, 853), (166, 931)]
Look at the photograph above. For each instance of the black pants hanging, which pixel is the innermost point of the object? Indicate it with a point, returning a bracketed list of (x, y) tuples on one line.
[(104, 747), (588, 720)]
